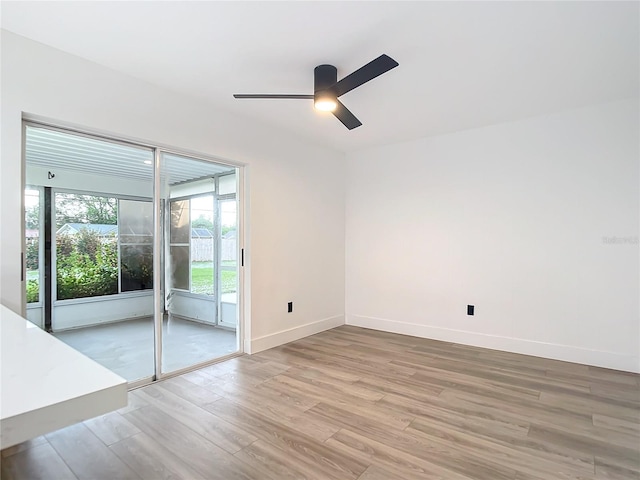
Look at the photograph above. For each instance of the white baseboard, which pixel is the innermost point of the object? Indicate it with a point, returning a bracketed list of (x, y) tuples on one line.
[(296, 333), (567, 353)]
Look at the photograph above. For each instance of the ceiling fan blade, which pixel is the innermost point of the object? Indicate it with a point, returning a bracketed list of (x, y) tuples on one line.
[(371, 70), (347, 118), (268, 95)]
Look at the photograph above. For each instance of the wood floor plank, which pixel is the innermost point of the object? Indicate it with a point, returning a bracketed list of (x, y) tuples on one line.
[(375, 472), (334, 463), (622, 425), (328, 373), (350, 361), (87, 456), (269, 392), (526, 410), (466, 383), (322, 388), (509, 439), (607, 470), (393, 459), (279, 463), (526, 457), (40, 462), (384, 415), (555, 476), (227, 436), (588, 405), (486, 416), (111, 428), (625, 456), (297, 420), (477, 421), (403, 387), (613, 375), (190, 391), (445, 454), (151, 460), (206, 458), (340, 417), (21, 447)]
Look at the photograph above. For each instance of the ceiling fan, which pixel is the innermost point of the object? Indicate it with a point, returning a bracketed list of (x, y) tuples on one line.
[(327, 88)]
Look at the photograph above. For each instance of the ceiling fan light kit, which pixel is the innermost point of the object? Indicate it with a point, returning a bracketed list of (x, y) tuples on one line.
[(327, 88), (324, 98)]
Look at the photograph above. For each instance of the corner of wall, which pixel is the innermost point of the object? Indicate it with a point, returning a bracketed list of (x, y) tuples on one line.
[(296, 333)]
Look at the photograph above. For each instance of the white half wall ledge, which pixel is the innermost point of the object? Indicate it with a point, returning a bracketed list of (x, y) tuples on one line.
[(553, 351), (292, 334), (39, 395)]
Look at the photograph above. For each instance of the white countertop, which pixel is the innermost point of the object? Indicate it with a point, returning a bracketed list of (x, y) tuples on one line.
[(46, 385)]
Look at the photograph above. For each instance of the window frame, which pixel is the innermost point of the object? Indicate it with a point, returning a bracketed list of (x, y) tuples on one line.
[(54, 251)]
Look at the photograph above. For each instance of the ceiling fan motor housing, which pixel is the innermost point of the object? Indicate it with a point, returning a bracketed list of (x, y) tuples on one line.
[(324, 77)]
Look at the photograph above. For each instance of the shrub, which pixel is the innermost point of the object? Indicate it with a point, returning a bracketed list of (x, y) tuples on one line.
[(32, 254), (33, 291), (87, 266), (79, 275), (88, 242), (64, 245)]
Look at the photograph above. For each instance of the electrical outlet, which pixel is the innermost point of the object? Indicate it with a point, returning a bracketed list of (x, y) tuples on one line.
[(290, 307), (470, 309)]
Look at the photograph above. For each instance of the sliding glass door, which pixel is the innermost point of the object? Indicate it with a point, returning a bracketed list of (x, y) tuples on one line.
[(138, 290)]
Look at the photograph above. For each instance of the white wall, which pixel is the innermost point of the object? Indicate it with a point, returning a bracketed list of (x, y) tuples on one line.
[(295, 244), (513, 218), (100, 310)]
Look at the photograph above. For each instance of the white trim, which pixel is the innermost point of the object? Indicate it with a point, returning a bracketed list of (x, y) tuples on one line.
[(296, 333), (567, 353)]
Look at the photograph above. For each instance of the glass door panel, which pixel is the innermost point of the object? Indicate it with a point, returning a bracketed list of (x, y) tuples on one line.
[(90, 246), (191, 330)]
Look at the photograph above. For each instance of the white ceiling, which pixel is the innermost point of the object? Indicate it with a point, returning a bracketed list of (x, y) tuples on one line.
[(462, 64)]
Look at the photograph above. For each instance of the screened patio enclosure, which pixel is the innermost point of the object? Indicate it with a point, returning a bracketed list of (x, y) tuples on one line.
[(131, 252)]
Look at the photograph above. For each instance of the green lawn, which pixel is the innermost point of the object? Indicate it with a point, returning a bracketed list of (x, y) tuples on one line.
[(202, 278)]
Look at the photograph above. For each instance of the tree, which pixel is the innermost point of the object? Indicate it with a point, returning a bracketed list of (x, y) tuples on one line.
[(202, 222), (88, 243), (32, 217), (33, 254), (74, 208)]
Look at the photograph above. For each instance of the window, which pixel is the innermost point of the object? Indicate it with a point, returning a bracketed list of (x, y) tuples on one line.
[(229, 247), (135, 228), (179, 237), (203, 238), (32, 237), (193, 244), (202, 245), (104, 245)]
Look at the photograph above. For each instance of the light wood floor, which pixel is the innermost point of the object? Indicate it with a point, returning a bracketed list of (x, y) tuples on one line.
[(358, 404)]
